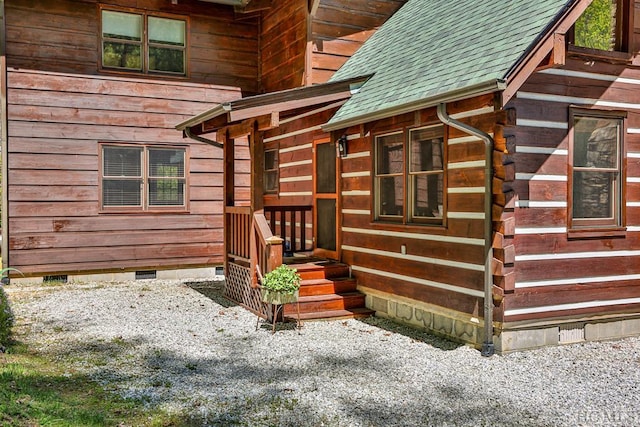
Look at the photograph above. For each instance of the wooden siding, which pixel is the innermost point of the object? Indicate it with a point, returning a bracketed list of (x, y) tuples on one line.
[(283, 45), (222, 49), (442, 265), (339, 28), (557, 276), (55, 124)]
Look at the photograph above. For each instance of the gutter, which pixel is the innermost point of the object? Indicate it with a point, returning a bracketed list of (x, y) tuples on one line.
[(203, 117), (484, 88), (488, 347), (187, 132)]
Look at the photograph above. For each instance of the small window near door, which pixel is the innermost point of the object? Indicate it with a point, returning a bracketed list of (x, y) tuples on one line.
[(271, 174), (596, 170)]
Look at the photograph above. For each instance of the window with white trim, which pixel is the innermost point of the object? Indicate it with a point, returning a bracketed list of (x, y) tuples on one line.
[(144, 43), (143, 177), (596, 158)]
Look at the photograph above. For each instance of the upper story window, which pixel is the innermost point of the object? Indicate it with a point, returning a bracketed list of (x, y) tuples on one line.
[(409, 177), (143, 43), (143, 178), (605, 25), (596, 158)]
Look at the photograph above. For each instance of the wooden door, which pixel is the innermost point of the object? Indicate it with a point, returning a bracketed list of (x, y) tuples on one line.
[(325, 199)]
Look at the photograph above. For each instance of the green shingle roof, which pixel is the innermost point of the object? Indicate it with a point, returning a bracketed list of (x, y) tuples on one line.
[(430, 48)]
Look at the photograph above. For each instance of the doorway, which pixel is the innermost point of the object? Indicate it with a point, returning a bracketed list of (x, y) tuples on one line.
[(325, 199)]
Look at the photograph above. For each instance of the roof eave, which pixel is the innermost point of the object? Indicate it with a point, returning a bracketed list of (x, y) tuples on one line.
[(218, 110), (494, 85)]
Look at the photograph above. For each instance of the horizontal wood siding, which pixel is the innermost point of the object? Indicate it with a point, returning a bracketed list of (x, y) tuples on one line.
[(56, 122), (557, 276), (63, 36), (441, 265), (283, 43), (339, 28)]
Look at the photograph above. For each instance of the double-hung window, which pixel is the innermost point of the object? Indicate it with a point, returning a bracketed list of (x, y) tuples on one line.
[(143, 43), (409, 176), (143, 178), (596, 180)]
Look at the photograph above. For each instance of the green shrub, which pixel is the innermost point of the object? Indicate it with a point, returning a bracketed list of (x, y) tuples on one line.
[(6, 318), (283, 279)]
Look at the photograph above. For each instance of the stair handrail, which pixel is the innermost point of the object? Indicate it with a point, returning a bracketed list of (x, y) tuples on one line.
[(265, 248)]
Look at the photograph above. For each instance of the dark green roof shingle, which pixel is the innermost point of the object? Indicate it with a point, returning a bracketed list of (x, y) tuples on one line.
[(433, 47)]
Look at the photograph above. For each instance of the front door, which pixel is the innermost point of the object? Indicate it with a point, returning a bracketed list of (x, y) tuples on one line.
[(325, 199)]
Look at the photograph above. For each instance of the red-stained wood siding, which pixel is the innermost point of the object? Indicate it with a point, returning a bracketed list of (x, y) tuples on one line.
[(56, 122), (283, 45), (63, 36), (557, 276), (339, 28)]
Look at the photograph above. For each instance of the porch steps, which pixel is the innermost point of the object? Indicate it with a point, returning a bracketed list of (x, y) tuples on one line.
[(327, 292)]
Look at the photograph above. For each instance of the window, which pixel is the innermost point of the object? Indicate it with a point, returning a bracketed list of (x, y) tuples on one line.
[(143, 43), (596, 169), (410, 186), (143, 178), (426, 174), (271, 171), (605, 25), (390, 176)]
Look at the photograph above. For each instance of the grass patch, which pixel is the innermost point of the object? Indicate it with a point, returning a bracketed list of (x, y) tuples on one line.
[(35, 391)]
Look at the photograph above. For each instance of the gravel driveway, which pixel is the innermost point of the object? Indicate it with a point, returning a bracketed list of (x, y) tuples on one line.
[(180, 345)]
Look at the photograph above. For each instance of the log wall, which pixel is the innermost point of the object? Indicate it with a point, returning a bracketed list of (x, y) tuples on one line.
[(556, 275)]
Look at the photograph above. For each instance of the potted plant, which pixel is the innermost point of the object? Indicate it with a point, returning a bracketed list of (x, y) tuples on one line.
[(281, 286)]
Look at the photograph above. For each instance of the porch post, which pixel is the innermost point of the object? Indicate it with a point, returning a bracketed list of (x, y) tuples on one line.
[(228, 191), (256, 148)]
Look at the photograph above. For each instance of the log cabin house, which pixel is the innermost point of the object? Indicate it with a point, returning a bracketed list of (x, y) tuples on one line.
[(475, 164), (96, 180)]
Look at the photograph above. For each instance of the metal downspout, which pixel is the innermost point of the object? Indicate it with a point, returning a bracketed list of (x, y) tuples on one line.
[(488, 347), (187, 132)]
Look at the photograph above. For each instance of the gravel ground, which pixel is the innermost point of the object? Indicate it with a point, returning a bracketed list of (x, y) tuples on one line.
[(181, 346)]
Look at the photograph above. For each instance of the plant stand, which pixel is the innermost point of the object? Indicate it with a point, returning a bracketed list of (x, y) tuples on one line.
[(277, 301)]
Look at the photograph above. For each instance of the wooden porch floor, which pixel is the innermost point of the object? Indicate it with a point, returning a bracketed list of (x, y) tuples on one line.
[(327, 291)]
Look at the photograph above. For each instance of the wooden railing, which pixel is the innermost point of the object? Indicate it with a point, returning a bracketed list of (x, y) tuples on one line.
[(290, 223), (239, 226), (265, 248)]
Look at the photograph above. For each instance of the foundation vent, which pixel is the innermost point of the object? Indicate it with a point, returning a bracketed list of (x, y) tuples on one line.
[(145, 274), (62, 278), (571, 333)]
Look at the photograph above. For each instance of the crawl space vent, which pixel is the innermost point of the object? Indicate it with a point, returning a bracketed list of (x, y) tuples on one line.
[(145, 274), (571, 332), (62, 278)]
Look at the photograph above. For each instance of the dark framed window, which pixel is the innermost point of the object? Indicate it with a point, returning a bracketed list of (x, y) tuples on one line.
[(596, 180), (143, 178), (271, 172), (389, 177), (426, 174), (606, 25), (409, 176), (137, 41)]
